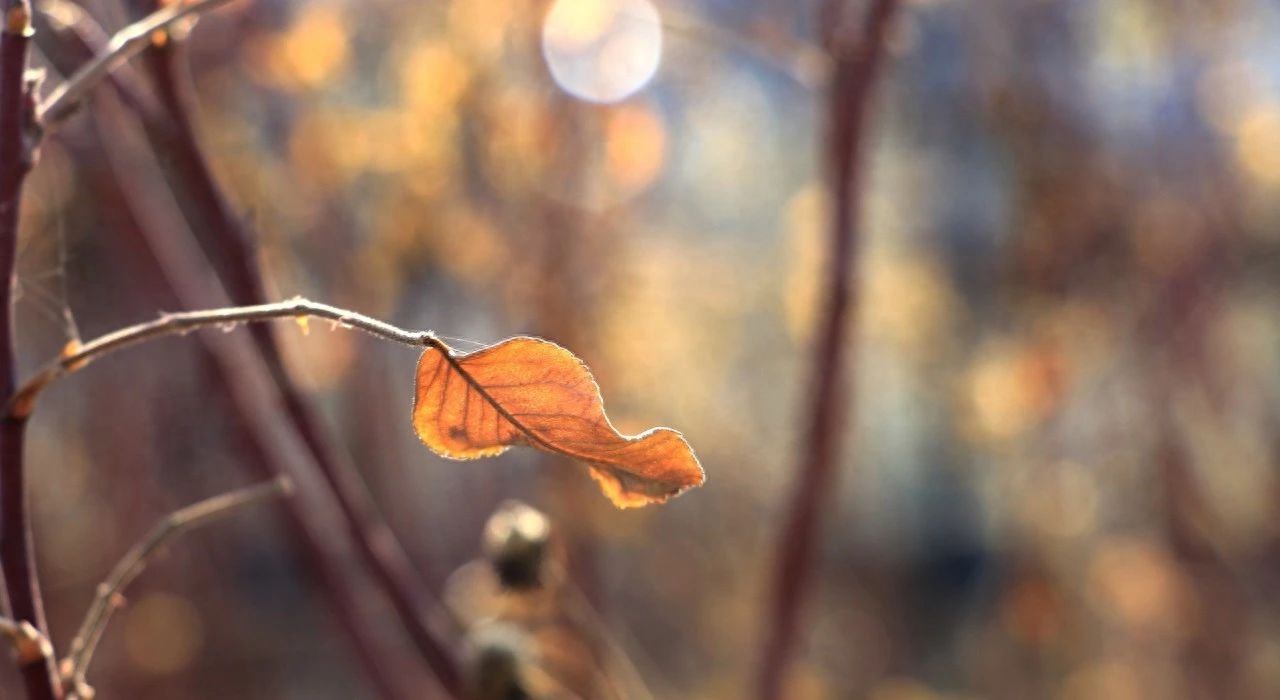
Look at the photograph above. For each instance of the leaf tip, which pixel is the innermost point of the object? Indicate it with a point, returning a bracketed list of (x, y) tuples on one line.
[(673, 468)]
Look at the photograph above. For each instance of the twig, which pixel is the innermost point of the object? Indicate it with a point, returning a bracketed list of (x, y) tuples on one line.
[(805, 63), (124, 45), (182, 322), (107, 597), (17, 153), (69, 38), (856, 64)]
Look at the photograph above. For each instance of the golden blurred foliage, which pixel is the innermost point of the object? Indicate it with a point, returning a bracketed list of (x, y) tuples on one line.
[(481, 28), (433, 78), (1139, 586), (1111, 679), (1258, 144), (902, 689), (634, 146), (806, 229), (1011, 386), (163, 633), (307, 55)]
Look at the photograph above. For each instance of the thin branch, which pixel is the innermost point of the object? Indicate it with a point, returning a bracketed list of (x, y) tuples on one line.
[(856, 63), (107, 598), (578, 606), (69, 38), (124, 45), (180, 323), (805, 63)]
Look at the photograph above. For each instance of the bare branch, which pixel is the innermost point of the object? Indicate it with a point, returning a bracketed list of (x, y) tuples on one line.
[(107, 598), (857, 58), (183, 322), (126, 44)]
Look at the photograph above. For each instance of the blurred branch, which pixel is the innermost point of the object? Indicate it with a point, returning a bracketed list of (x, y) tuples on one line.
[(68, 38), (108, 596), (856, 63), (124, 45), (182, 322), (229, 245), (804, 62), (579, 607), (17, 154)]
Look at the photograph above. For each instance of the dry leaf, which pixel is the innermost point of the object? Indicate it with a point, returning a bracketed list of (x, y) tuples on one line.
[(526, 391)]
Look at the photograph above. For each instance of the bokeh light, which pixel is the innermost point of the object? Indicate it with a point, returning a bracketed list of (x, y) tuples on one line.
[(602, 50)]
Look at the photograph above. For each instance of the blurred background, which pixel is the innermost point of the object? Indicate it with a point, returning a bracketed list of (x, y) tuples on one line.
[(1059, 472)]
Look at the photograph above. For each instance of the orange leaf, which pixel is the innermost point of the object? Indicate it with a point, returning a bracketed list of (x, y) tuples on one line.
[(526, 391)]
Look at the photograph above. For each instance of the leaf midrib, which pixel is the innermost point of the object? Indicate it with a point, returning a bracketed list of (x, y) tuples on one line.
[(456, 364)]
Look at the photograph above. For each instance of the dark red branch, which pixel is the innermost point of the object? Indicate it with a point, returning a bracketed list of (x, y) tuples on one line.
[(855, 66), (17, 139), (172, 275), (231, 249)]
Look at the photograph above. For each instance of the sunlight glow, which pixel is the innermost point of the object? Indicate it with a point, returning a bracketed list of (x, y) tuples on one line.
[(602, 50)]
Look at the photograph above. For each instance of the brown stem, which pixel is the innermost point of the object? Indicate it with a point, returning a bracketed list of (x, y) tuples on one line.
[(848, 103), (16, 156)]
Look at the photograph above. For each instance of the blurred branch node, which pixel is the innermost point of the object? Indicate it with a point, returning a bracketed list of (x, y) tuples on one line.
[(109, 595)]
